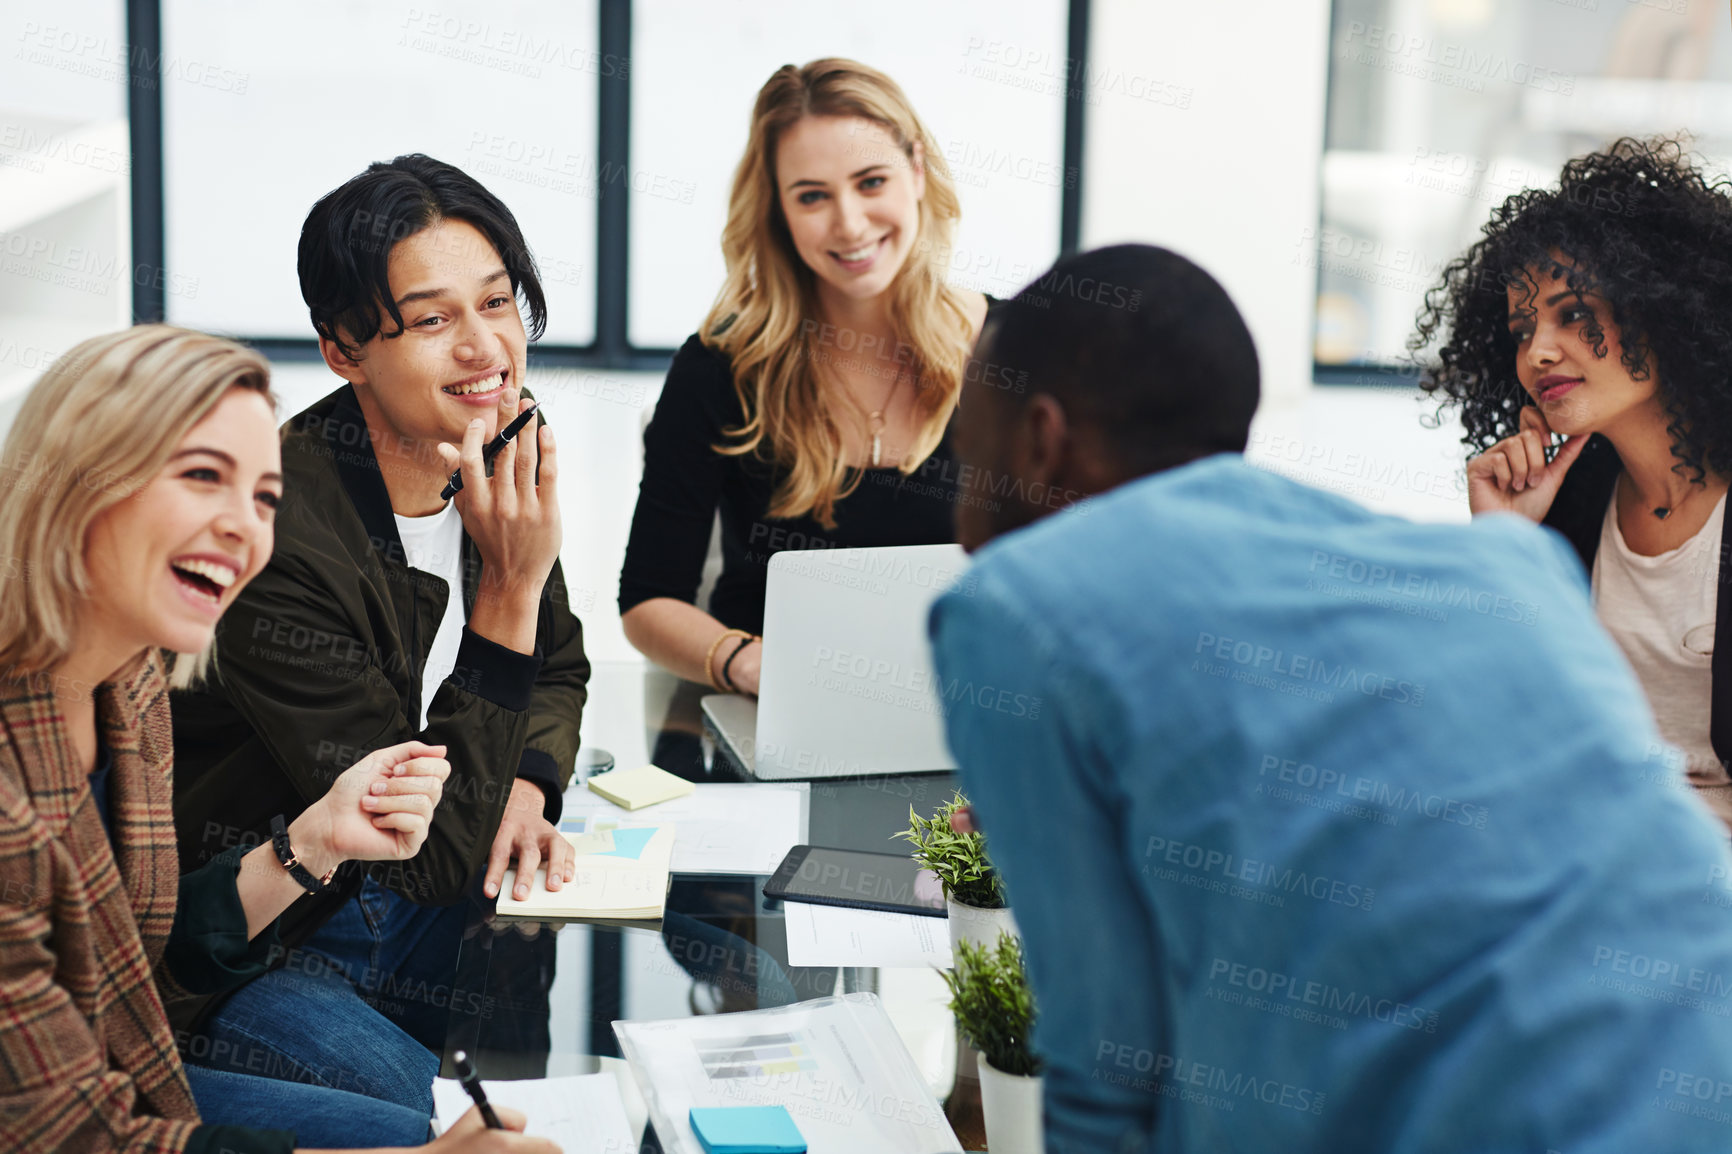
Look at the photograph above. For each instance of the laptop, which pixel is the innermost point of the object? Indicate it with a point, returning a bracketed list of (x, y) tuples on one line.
[(846, 687)]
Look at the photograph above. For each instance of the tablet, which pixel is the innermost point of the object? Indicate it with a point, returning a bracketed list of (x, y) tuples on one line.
[(858, 880)]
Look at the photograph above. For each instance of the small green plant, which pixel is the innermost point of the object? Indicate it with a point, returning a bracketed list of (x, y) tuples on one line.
[(994, 1008), (959, 859)]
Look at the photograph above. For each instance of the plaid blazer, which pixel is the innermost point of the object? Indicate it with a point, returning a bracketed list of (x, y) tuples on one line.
[(87, 1059)]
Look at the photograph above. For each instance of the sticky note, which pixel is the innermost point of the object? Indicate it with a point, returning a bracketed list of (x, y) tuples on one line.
[(636, 788), (595, 841), (746, 1130), (628, 843)]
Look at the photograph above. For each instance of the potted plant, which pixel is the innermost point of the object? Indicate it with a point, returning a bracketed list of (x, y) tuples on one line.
[(994, 1009), (973, 893)]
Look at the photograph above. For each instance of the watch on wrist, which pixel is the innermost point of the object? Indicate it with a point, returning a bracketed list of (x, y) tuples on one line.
[(286, 855)]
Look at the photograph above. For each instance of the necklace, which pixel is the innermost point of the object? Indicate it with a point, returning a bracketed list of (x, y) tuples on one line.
[(877, 419), (1661, 512)]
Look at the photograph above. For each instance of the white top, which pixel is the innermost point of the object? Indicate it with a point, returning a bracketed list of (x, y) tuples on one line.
[(1661, 612), (434, 545)]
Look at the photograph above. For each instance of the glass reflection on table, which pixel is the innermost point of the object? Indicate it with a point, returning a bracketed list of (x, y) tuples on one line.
[(538, 999)]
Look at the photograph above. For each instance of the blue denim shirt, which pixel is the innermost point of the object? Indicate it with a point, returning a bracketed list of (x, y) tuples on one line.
[(1332, 832)]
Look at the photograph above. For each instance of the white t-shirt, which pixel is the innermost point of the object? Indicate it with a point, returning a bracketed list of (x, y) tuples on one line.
[(1662, 612), (434, 545)]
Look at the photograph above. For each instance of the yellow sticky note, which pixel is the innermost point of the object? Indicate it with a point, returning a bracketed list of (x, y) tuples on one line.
[(636, 788)]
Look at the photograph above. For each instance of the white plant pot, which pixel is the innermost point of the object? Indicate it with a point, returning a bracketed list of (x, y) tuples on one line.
[(1011, 1105), (981, 927)]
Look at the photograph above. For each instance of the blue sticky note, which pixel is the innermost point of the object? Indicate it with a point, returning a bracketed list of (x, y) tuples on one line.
[(747, 1130)]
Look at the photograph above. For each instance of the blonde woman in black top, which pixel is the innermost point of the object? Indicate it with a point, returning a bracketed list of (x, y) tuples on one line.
[(813, 407)]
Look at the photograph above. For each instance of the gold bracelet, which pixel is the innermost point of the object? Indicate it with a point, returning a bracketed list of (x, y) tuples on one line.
[(710, 657)]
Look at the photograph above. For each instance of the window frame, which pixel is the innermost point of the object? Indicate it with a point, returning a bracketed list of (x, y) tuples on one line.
[(611, 347)]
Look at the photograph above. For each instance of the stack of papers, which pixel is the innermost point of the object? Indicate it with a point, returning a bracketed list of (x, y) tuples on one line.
[(582, 1115), (745, 828), (836, 1064), (621, 873)]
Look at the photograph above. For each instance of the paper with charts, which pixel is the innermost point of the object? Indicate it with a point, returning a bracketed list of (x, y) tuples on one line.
[(582, 1114), (837, 1064), (621, 874), (725, 827)]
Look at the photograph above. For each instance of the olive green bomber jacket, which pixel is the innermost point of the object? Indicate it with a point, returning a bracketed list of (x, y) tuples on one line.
[(319, 662)]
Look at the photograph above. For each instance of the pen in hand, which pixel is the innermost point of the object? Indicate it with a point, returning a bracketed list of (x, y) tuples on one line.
[(472, 1084), (455, 484)]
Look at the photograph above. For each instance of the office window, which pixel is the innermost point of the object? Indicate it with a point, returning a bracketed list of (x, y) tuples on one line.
[(504, 90), (987, 79), (66, 60), (1439, 109)]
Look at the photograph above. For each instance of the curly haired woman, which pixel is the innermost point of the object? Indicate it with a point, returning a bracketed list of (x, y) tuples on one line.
[(1600, 312)]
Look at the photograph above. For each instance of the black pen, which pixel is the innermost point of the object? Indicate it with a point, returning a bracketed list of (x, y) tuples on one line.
[(455, 484), (472, 1083)]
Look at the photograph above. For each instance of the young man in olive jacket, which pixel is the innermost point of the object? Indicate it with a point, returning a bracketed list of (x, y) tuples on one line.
[(388, 612)]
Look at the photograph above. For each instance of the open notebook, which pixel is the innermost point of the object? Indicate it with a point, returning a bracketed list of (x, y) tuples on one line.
[(621, 874), (582, 1114)]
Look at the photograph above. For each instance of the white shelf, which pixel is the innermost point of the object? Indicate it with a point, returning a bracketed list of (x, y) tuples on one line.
[(66, 270), (1604, 107), (55, 164)]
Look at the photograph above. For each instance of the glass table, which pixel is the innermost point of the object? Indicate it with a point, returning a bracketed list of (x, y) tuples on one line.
[(539, 999)]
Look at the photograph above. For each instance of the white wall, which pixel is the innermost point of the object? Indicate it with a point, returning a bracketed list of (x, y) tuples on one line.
[(1205, 135), (1226, 174)]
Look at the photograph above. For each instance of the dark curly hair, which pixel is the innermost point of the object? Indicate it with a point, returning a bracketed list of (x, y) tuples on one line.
[(1644, 228)]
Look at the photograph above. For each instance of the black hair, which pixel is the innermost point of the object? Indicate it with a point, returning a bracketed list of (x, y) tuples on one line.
[(1640, 225), (347, 240), (1137, 341)]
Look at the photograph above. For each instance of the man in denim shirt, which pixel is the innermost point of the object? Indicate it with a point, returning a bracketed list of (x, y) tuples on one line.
[(1332, 832)]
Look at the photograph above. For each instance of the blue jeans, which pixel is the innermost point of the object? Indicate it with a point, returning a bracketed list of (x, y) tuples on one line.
[(321, 1117), (401, 957), (305, 1023), (361, 1007)]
